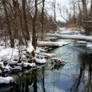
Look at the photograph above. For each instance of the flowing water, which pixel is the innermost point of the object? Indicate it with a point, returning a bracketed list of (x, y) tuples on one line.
[(74, 76)]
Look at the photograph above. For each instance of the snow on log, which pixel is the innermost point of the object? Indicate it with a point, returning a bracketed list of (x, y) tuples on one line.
[(75, 37), (51, 44), (6, 80), (46, 55), (40, 61), (28, 65)]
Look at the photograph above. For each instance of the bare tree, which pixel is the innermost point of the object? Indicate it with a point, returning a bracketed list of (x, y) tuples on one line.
[(8, 23), (84, 6), (91, 9), (42, 20), (25, 20), (54, 8), (34, 36)]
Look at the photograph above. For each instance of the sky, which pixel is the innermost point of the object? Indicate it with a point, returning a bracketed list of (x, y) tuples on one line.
[(62, 3)]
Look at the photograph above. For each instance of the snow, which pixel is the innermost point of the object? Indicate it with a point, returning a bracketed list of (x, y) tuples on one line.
[(17, 68), (76, 37), (41, 61), (9, 58), (80, 43), (89, 45), (25, 64), (52, 44), (47, 54), (68, 31), (30, 47), (8, 53), (6, 80)]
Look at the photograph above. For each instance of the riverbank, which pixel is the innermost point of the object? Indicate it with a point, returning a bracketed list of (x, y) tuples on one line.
[(18, 59)]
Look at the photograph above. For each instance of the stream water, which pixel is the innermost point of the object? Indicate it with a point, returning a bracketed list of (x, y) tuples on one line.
[(74, 76)]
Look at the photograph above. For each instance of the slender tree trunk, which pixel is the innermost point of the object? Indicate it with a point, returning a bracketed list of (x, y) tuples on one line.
[(91, 9), (25, 20), (8, 23), (34, 38), (80, 14), (42, 20), (54, 5), (84, 5)]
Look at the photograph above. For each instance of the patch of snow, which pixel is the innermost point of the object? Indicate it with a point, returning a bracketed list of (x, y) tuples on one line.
[(76, 37), (25, 64), (30, 47), (68, 31), (13, 62), (18, 68), (40, 61), (8, 53), (52, 44), (89, 45), (6, 80), (81, 43), (47, 54)]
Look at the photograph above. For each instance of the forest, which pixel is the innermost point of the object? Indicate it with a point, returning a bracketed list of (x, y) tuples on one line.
[(46, 45)]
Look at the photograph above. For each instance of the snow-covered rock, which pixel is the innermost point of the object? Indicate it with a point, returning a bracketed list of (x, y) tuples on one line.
[(40, 61), (25, 64), (6, 80), (89, 45)]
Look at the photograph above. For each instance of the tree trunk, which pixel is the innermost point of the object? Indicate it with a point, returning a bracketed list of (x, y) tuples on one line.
[(8, 23), (91, 9), (54, 5), (34, 38), (42, 20), (25, 20), (84, 5)]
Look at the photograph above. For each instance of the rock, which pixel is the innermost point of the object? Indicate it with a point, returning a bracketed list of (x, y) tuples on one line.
[(6, 80), (57, 60), (40, 61), (28, 65)]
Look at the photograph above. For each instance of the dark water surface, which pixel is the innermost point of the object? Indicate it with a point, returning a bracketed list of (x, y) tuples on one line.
[(75, 76)]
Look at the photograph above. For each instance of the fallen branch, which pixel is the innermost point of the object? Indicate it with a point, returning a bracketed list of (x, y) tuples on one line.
[(74, 37), (51, 44)]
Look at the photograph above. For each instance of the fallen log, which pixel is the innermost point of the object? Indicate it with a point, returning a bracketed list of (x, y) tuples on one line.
[(74, 37), (51, 44)]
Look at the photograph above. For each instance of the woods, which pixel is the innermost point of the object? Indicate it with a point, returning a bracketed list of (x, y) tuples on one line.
[(81, 14), (24, 21), (45, 45)]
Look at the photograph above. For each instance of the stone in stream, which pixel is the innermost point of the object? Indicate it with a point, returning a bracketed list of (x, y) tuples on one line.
[(56, 63), (4, 81)]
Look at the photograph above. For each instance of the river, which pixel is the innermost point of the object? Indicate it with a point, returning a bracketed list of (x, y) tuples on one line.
[(74, 76)]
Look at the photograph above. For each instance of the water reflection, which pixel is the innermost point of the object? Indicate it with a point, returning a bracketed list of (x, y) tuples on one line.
[(83, 83)]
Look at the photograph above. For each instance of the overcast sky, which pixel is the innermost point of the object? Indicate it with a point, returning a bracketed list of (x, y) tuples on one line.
[(63, 3)]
